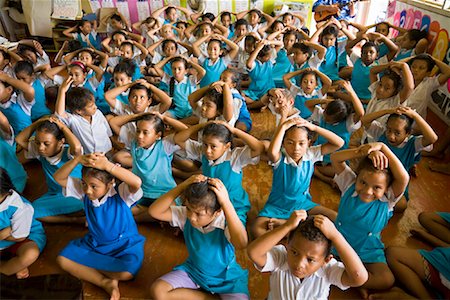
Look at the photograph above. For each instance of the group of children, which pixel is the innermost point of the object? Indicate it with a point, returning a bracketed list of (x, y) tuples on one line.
[(119, 119)]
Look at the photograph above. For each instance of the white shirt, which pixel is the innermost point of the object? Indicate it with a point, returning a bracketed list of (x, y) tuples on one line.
[(19, 98), (284, 285), (351, 126), (74, 189), (33, 152), (421, 95), (313, 153), (21, 219), (376, 104), (94, 136)]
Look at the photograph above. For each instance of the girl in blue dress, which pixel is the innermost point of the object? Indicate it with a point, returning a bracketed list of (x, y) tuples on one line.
[(151, 156), (113, 249), (214, 64), (84, 32), (367, 203), (293, 167), (308, 89), (397, 135), (283, 62), (21, 235), (220, 161), (340, 117), (259, 69), (212, 230), (180, 84), (49, 146)]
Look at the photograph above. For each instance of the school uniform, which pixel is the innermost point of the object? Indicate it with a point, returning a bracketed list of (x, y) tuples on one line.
[(113, 242), (9, 162), (211, 263), (421, 95), (361, 223), (18, 111), (313, 62), (262, 80), (290, 187), (244, 114), (154, 166), (39, 108), (93, 136), (182, 90), (376, 104), (86, 39), (343, 129), (16, 212), (227, 168), (301, 97), (213, 69), (330, 65), (53, 203), (404, 53), (282, 66), (285, 285)]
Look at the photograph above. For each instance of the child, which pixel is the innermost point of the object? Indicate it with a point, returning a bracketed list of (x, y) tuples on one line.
[(8, 159), (396, 134), (32, 50), (307, 55), (48, 145), (214, 64), (180, 85), (151, 156), (16, 106), (437, 230), (281, 103), (293, 169), (283, 63), (339, 117), (126, 51), (391, 90), (413, 42), (305, 268), (7, 60), (308, 89), (86, 33), (21, 235), (84, 119), (220, 161), (113, 249), (212, 231), (367, 201), (171, 12), (259, 69), (254, 19), (421, 67)]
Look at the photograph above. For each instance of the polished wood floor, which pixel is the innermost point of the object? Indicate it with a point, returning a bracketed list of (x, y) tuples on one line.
[(429, 192)]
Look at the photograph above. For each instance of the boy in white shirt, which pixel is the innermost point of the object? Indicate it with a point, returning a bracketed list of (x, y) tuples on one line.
[(305, 269)]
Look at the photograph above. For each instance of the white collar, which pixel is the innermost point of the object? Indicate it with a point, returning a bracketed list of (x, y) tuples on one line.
[(12, 99), (12, 200), (218, 223), (110, 193), (56, 158), (288, 160), (221, 159)]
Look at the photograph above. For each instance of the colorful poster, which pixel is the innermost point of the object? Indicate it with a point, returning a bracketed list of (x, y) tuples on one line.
[(143, 9)]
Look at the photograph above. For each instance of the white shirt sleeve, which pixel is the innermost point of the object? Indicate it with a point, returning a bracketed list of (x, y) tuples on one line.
[(169, 145), (32, 150), (375, 130), (294, 89), (179, 216), (313, 153), (314, 61), (242, 156), (73, 188), (334, 270), (276, 257), (317, 114), (226, 59), (21, 221), (354, 57), (193, 149), (352, 126), (418, 146), (127, 196), (345, 179)]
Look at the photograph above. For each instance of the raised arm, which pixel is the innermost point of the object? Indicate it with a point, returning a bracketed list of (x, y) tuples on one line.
[(103, 58), (334, 141), (60, 106), (111, 95), (234, 48), (50, 73), (401, 177), (105, 44), (356, 102), (321, 50), (5, 126), (429, 136), (23, 137), (157, 13), (181, 137), (62, 174), (274, 150), (27, 89), (376, 70), (392, 47), (444, 69), (196, 45), (159, 66), (151, 49), (310, 104), (75, 146), (97, 70), (326, 81), (144, 51), (407, 80), (255, 145), (369, 118), (258, 249), (197, 95), (287, 77), (68, 32), (200, 71), (251, 59)]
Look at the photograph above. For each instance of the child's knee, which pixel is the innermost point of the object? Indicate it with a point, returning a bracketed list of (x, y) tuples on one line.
[(393, 253), (63, 262), (124, 276), (159, 289)]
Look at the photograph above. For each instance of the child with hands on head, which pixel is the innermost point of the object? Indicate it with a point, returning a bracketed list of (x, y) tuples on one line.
[(367, 202), (280, 103), (53, 144), (21, 235), (293, 167), (212, 231), (305, 268), (85, 32), (219, 160), (113, 249)]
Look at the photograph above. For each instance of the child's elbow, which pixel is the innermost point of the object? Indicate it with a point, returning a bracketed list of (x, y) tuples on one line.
[(359, 278)]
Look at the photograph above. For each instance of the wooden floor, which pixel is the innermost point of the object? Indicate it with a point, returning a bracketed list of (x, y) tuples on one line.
[(163, 250)]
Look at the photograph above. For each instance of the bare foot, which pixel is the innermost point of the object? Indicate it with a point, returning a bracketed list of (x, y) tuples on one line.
[(440, 168), (22, 274), (111, 286), (413, 171), (393, 293), (270, 224), (364, 293)]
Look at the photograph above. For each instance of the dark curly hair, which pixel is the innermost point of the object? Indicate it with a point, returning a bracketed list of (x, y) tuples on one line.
[(309, 231), (200, 195)]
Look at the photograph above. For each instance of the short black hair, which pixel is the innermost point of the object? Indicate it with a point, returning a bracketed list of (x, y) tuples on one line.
[(200, 195), (77, 98), (309, 231), (426, 58)]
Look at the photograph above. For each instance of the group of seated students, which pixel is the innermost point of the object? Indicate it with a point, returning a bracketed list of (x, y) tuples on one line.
[(118, 119)]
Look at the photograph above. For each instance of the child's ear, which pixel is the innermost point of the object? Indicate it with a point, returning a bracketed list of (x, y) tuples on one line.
[(111, 184), (228, 145), (159, 135), (328, 258), (10, 90)]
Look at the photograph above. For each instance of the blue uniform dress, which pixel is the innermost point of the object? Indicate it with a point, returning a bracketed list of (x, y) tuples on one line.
[(154, 167), (211, 263), (18, 112), (113, 242), (301, 97), (92, 37), (330, 66), (313, 62), (213, 70), (361, 223), (262, 80), (361, 75), (404, 53), (343, 129), (39, 108), (181, 107), (9, 162), (382, 50), (16, 212), (228, 168), (244, 114), (439, 258), (290, 187), (53, 202), (282, 66)]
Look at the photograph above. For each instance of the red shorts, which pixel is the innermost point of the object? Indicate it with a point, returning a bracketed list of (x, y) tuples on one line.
[(12, 250), (436, 283)]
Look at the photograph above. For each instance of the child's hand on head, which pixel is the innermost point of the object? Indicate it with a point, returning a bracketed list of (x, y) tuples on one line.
[(374, 36), (217, 186), (196, 179), (66, 84), (57, 121), (326, 226), (366, 149), (407, 111), (379, 160), (296, 217)]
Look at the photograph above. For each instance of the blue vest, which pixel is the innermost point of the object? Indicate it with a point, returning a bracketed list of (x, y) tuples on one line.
[(94, 41), (439, 258), (39, 108), (262, 80), (212, 262), (299, 103), (212, 72), (154, 167), (18, 119), (180, 99), (9, 162), (244, 114), (329, 66), (404, 53), (282, 66), (361, 79), (339, 129)]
